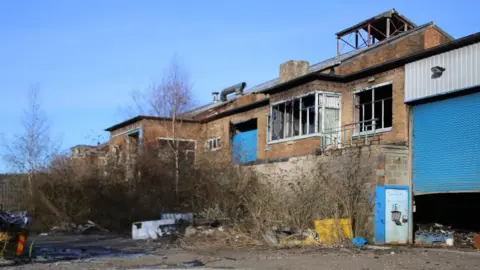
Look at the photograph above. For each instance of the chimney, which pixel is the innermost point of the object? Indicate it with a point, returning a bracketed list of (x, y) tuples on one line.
[(215, 97), (293, 69)]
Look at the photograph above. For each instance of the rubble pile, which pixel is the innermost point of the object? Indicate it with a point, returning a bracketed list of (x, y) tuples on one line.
[(435, 233), (8, 219), (287, 236)]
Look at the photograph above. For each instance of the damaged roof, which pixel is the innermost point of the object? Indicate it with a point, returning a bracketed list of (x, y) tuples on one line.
[(392, 13), (315, 71), (328, 63)]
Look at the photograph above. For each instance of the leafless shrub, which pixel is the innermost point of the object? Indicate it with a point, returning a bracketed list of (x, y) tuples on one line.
[(29, 151), (170, 98), (337, 188)]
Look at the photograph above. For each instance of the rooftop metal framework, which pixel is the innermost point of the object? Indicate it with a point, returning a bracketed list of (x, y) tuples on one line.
[(373, 30)]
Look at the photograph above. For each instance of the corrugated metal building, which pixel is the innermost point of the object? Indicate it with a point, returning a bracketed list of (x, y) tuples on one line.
[(444, 93)]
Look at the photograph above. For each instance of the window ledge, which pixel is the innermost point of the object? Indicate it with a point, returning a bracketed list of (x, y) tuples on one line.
[(370, 132), (296, 138)]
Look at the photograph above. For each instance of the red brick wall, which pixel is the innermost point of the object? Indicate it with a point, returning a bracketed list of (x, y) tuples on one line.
[(433, 38)]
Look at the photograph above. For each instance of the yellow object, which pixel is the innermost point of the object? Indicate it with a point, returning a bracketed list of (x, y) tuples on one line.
[(333, 230)]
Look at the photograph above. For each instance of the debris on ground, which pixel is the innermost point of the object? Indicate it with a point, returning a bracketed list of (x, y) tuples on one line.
[(288, 237), (190, 231), (270, 238), (168, 224), (89, 227), (202, 237), (333, 231), (377, 247), (439, 234), (8, 219), (152, 229), (194, 263), (13, 234), (359, 241)]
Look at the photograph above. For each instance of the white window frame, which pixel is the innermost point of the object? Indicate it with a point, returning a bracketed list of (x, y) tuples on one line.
[(211, 141), (377, 130), (316, 132)]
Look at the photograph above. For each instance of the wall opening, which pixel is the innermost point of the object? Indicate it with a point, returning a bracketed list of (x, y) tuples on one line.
[(244, 141), (374, 105), (133, 142), (244, 126), (438, 217)]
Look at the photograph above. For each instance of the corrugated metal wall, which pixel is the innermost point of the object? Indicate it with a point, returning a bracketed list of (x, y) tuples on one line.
[(446, 145), (462, 71)]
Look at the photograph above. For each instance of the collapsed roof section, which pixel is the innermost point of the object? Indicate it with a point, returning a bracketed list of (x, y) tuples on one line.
[(368, 32)]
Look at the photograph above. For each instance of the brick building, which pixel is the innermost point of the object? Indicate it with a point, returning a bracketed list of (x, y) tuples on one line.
[(354, 98)]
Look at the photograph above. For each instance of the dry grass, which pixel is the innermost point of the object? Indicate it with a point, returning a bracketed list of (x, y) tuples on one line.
[(337, 188)]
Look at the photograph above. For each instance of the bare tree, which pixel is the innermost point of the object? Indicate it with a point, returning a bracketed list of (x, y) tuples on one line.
[(30, 151), (170, 99)]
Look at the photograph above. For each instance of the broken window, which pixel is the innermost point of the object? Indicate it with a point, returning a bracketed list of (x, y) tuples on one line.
[(212, 144), (304, 115), (374, 108), (133, 141), (308, 114), (278, 121), (168, 148)]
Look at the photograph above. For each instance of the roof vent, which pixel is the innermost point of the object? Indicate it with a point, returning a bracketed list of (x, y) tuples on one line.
[(237, 88), (215, 97)]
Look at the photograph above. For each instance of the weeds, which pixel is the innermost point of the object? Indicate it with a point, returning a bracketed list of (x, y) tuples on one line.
[(337, 187)]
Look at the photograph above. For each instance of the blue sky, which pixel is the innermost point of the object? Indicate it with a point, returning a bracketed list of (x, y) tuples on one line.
[(87, 56)]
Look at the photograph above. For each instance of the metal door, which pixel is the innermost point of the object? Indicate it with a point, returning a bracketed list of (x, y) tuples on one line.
[(396, 216), (244, 146), (446, 145)]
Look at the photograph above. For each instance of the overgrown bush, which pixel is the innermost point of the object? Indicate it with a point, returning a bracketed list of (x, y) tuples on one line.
[(336, 188)]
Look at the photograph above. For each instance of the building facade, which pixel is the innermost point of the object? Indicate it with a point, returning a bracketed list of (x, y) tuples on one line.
[(382, 93)]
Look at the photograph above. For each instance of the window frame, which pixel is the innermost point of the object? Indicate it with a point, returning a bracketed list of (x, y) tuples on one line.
[(207, 147), (355, 99), (316, 133), (184, 140)]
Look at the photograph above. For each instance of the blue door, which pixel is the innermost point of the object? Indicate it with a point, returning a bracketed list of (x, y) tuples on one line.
[(392, 214), (446, 145), (244, 146), (396, 216)]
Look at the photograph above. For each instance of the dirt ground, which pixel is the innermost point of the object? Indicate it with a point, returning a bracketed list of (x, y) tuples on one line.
[(115, 252)]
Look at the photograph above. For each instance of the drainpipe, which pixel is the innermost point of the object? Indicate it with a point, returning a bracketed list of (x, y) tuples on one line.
[(410, 174)]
